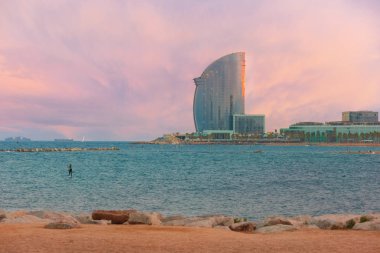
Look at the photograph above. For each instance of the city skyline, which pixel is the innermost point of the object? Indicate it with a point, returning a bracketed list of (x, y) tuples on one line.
[(123, 70)]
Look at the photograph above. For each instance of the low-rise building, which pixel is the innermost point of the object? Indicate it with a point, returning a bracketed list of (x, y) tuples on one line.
[(248, 124), (337, 131)]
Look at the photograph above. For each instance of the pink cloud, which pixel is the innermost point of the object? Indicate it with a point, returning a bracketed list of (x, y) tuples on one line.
[(122, 70)]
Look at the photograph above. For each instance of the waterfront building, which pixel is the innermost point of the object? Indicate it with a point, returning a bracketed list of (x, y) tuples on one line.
[(339, 131), (249, 124), (219, 93), (218, 135), (360, 116)]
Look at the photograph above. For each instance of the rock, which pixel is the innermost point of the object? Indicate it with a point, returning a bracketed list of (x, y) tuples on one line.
[(276, 228), (87, 219), (199, 221), (59, 217), (2, 215), (116, 217), (145, 218), (271, 221), (217, 220), (25, 219), (243, 227), (172, 218), (223, 221), (15, 214), (334, 221), (61, 225), (175, 222), (300, 221), (366, 217), (369, 225), (102, 222), (239, 219)]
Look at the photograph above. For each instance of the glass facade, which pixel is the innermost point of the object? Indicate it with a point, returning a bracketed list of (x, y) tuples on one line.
[(360, 116), (249, 124), (333, 133), (219, 93)]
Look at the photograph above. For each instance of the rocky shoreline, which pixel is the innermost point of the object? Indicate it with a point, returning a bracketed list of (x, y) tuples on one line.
[(57, 149), (273, 224)]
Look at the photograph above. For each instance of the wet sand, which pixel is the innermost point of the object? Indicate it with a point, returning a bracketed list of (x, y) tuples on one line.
[(142, 238)]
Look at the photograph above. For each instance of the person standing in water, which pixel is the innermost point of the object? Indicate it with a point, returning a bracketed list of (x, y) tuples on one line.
[(70, 170)]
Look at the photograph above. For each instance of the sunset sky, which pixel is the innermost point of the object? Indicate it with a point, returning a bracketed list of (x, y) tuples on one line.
[(123, 70)]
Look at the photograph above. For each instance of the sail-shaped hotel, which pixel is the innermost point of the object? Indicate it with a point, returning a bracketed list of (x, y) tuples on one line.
[(219, 98)]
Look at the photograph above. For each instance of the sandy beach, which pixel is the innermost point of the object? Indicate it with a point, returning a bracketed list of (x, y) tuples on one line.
[(143, 238)]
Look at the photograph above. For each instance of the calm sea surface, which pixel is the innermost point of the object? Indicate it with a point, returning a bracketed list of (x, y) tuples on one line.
[(192, 179)]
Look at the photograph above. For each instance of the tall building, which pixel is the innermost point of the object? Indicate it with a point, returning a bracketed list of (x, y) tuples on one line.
[(360, 116), (219, 93)]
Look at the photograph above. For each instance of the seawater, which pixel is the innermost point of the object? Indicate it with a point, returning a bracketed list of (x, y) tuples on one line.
[(192, 179)]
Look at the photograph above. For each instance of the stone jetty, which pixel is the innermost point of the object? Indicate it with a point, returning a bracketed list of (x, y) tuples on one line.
[(58, 149)]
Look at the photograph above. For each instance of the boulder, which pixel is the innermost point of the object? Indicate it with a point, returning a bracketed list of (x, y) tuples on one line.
[(172, 218), (334, 221), (115, 216), (221, 220), (199, 222), (300, 221), (276, 228), (243, 227), (217, 220), (87, 219), (369, 225), (59, 217), (239, 219), (25, 219), (61, 225), (276, 220), (174, 222), (145, 218), (367, 217), (101, 222), (208, 221), (15, 214)]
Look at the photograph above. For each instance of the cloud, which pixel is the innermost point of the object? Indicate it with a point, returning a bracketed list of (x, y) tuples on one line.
[(121, 70)]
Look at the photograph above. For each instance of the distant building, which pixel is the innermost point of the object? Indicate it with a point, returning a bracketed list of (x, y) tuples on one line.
[(64, 140), (17, 139), (360, 127), (360, 116), (219, 93), (249, 124)]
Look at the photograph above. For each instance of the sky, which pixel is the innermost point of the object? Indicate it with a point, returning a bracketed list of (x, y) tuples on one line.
[(123, 70)]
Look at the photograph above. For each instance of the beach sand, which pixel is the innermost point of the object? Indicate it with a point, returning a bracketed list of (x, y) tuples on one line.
[(143, 238)]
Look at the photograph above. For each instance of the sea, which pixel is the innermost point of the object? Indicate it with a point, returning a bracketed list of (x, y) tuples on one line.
[(252, 181)]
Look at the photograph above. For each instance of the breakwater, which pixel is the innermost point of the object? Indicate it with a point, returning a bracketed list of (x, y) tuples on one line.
[(57, 149)]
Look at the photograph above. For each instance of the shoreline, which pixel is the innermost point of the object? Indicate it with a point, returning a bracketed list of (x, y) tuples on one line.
[(285, 144), (49, 231)]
